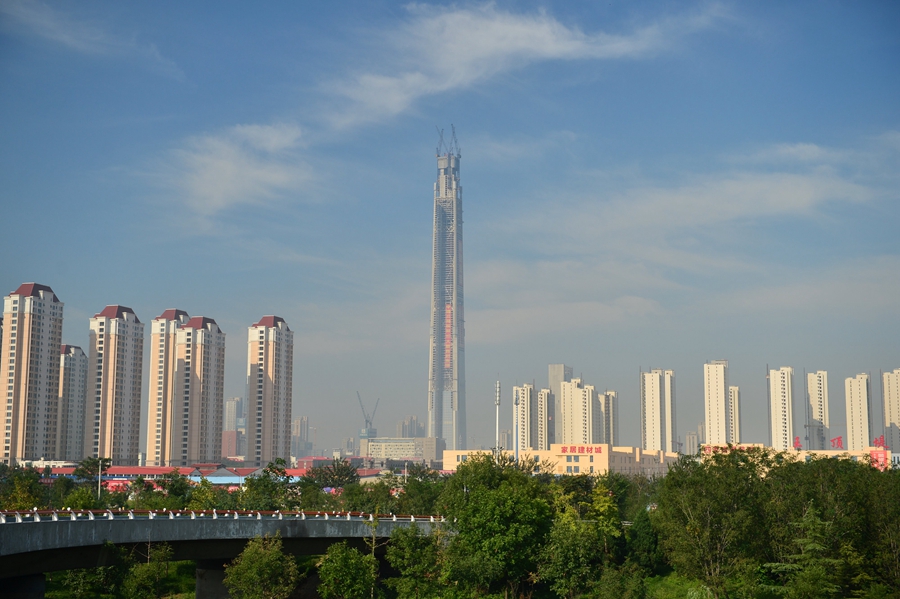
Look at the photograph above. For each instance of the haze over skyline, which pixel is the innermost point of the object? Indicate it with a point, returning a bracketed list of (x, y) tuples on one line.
[(645, 186)]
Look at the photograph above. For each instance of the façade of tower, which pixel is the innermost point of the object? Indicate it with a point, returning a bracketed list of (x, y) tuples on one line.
[(447, 370)]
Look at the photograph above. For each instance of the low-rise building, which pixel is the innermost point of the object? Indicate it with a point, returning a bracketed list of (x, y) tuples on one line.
[(581, 458)]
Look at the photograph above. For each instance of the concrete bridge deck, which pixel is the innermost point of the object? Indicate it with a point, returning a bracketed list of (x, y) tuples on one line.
[(35, 542)]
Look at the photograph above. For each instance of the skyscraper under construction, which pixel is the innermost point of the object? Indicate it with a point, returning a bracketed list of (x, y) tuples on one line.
[(447, 370)]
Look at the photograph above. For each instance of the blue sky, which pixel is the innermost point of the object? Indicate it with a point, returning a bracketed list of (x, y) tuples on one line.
[(651, 185)]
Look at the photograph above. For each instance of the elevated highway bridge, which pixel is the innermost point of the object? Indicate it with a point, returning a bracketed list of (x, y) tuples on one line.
[(35, 542)]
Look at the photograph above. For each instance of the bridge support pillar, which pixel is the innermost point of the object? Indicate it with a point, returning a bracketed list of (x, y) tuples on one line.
[(209, 581), (25, 587)]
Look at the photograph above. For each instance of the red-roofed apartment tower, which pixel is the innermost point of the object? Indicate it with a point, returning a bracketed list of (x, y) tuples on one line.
[(29, 357), (270, 368), (115, 364), (187, 385)]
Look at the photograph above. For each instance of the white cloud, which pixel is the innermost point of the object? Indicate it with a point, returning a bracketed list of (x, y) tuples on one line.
[(85, 37), (246, 165), (438, 50)]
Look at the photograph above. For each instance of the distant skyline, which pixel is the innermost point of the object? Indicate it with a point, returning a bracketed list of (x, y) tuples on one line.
[(647, 186)]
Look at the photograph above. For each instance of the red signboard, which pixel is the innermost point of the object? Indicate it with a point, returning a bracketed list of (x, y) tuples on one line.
[(581, 449), (879, 458)]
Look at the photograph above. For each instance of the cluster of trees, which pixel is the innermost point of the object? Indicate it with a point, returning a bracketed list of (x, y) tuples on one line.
[(749, 523)]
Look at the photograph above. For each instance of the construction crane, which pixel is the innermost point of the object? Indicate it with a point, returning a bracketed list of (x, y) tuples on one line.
[(369, 419)]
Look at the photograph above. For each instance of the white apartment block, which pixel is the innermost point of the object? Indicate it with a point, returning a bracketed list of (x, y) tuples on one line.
[(544, 418), (734, 413), (581, 413), (557, 374), (73, 368), (781, 416), (524, 417), (818, 433), (162, 417), (859, 424), (29, 355), (115, 368), (890, 382), (609, 405), (717, 405), (658, 410), (270, 367)]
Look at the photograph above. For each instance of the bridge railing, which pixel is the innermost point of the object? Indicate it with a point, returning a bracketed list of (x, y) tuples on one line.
[(74, 515)]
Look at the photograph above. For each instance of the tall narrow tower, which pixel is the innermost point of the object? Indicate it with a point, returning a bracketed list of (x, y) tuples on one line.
[(447, 371)]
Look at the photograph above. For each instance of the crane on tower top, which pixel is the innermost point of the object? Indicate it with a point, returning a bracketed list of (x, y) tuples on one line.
[(369, 419)]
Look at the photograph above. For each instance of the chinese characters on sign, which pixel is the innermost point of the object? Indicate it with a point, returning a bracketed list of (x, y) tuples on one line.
[(878, 442), (581, 449), (797, 444), (837, 443)]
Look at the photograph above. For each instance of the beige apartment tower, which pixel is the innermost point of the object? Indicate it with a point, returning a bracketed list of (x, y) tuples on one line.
[(115, 366), (270, 360), (184, 426), (609, 405), (29, 354), (890, 388), (859, 423), (524, 417), (818, 428), (162, 418), (781, 416), (581, 413), (73, 367)]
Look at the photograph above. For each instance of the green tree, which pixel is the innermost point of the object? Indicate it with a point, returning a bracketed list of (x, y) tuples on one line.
[(271, 490), (106, 580), (262, 571), (147, 580), (339, 474), (346, 573), (501, 516), (417, 558), (24, 490), (710, 515)]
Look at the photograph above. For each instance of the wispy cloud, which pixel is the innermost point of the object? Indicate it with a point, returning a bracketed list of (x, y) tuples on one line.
[(85, 37), (245, 165), (438, 50)]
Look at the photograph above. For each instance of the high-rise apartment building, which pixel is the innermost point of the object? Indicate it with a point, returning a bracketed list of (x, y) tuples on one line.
[(410, 428), (270, 368), (890, 389), (818, 428), (557, 374), (115, 367), (691, 443), (544, 419), (859, 423), (196, 436), (734, 413), (717, 406), (609, 405), (581, 413), (446, 369), (525, 421), (233, 413), (165, 369), (781, 414), (300, 445), (29, 355), (658, 410), (73, 368)]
